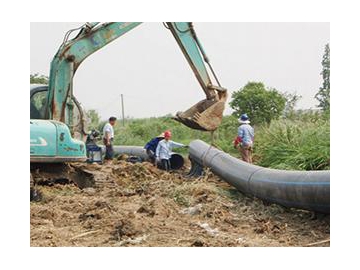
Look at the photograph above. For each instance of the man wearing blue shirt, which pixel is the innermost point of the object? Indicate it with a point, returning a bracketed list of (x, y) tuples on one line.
[(164, 150), (245, 138)]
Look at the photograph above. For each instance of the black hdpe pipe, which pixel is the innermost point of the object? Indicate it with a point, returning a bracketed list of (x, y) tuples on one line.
[(308, 190), (137, 151), (176, 160)]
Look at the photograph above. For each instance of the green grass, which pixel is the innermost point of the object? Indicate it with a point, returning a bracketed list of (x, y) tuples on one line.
[(299, 144), (294, 145)]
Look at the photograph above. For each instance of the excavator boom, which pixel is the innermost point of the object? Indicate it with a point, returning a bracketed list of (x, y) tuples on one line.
[(68, 58), (205, 115)]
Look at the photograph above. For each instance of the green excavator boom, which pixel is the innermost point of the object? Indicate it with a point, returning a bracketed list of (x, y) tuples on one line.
[(61, 106)]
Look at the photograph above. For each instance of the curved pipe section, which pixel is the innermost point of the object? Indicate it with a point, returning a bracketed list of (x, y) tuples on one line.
[(299, 189), (129, 150)]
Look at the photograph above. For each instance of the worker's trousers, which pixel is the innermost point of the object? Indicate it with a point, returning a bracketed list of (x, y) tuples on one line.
[(246, 152), (109, 154), (165, 164), (151, 155)]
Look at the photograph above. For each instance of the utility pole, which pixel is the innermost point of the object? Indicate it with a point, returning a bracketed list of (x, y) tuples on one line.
[(122, 109)]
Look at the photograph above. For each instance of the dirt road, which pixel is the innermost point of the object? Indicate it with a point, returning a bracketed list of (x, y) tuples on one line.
[(125, 204)]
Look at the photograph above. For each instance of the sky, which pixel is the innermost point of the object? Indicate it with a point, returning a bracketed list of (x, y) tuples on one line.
[(148, 68)]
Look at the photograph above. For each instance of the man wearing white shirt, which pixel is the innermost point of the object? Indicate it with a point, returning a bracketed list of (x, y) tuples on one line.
[(108, 133)]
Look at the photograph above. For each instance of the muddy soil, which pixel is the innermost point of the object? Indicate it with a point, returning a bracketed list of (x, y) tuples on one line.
[(125, 204)]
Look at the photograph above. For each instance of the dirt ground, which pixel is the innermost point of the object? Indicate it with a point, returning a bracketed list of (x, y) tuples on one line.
[(125, 204)]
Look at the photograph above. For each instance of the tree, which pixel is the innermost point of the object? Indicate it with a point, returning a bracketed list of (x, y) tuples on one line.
[(40, 79), (323, 95), (291, 100), (261, 104), (94, 119)]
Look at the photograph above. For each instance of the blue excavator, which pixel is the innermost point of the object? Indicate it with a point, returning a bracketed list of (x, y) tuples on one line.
[(57, 121)]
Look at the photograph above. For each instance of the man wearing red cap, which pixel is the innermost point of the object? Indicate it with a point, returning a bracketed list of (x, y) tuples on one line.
[(164, 150)]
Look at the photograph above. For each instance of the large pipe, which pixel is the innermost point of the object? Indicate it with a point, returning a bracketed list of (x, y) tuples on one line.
[(299, 189), (129, 150), (176, 160)]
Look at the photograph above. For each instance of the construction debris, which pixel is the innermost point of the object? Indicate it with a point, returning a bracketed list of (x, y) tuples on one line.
[(208, 229), (135, 204), (195, 210)]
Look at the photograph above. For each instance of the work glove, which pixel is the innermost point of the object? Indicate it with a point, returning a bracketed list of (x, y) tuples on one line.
[(237, 141)]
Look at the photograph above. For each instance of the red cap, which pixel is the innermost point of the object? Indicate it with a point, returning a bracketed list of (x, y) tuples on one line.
[(167, 134)]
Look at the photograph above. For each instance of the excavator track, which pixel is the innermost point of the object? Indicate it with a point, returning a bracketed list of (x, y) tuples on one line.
[(50, 174)]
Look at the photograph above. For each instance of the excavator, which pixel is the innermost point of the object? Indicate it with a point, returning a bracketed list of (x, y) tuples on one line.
[(57, 120)]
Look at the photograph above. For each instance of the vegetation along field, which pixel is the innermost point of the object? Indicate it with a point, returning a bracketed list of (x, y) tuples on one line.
[(301, 142)]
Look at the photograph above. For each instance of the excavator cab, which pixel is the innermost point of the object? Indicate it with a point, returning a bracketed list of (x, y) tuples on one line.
[(205, 115)]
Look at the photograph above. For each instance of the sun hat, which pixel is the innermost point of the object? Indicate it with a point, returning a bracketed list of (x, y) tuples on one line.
[(244, 119), (161, 135)]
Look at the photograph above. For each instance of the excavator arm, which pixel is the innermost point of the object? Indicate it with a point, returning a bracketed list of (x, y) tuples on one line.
[(205, 115), (92, 37)]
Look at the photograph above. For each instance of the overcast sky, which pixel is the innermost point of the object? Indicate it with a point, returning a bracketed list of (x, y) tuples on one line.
[(147, 66)]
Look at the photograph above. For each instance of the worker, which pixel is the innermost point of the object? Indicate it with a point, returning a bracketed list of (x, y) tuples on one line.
[(108, 133), (163, 150), (151, 147), (245, 138)]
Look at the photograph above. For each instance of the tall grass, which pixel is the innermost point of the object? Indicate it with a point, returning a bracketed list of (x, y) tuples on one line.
[(296, 145), (300, 144)]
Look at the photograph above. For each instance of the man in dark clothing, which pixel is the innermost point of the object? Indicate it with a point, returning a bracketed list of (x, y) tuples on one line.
[(151, 147)]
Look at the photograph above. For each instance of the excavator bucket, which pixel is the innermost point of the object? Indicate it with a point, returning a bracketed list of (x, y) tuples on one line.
[(205, 115)]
